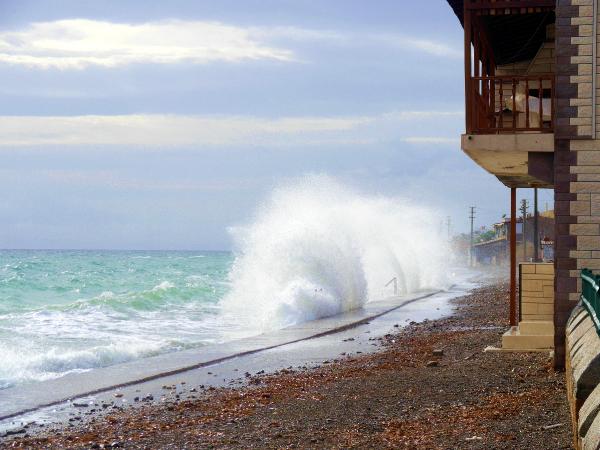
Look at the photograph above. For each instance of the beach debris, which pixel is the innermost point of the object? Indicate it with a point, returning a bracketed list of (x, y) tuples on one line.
[(438, 352), (474, 438), (80, 405), (432, 364), (148, 397), (553, 426), (119, 394)]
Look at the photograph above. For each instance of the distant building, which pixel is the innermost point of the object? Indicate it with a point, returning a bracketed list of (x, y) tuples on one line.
[(495, 251)]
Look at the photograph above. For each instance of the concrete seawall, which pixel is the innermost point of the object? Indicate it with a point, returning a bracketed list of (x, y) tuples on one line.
[(583, 378)]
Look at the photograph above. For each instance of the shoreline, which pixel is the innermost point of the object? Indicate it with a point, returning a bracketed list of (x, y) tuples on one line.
[(428, 384), (46, 402)]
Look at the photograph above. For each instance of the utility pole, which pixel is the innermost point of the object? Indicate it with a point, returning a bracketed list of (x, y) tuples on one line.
[(448, 222), (472, 217), (524, 207)]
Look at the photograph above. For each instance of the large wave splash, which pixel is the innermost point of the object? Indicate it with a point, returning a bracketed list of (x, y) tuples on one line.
[(318, 248)]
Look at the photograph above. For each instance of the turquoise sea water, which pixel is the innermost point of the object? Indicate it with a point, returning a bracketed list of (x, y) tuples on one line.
[(64, 311)]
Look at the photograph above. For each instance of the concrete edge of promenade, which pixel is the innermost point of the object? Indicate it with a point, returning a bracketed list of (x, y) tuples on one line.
[(20, 400)]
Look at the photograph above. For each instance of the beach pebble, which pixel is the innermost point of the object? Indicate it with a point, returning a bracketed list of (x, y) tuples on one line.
[(438, 352), (432, 364), (118, 395)]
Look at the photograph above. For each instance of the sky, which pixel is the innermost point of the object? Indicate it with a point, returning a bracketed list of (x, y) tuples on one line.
[(157, 125)]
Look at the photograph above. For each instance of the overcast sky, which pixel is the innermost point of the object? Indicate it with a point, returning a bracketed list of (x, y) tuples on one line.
[(151, 124)]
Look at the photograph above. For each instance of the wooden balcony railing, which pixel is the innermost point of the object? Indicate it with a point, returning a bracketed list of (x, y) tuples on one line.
[(511, 104)]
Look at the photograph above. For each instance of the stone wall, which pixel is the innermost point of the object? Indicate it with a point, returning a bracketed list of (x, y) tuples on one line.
[(537, 292), (583, 378), (577, 156), (570, 100)]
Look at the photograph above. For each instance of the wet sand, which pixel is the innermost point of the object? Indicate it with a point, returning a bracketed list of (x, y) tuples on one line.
[(430, 385)]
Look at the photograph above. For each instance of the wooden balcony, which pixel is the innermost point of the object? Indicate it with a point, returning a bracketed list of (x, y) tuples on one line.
[(510, 88), (511, 104), (510, 127)]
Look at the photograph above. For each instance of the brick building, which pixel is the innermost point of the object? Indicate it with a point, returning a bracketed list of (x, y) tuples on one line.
[(531, 98)]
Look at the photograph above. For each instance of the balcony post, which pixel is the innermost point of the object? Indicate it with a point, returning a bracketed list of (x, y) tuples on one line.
[(536, 232), (468, 35), (513, 257)]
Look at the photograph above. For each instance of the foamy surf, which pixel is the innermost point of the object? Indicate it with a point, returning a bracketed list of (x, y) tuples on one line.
[(317, 248), (314, 249)]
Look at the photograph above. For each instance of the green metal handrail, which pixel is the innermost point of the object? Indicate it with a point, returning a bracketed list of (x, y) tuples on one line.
[(590, 285)]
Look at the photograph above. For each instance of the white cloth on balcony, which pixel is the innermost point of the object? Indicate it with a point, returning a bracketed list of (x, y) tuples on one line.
[(534, 107)]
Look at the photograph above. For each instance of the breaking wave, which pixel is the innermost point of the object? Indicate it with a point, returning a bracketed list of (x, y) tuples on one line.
[(317, 248)]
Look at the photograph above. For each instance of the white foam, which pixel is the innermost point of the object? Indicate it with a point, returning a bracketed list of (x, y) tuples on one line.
[(163, 286), (317, 248), (54, 362)]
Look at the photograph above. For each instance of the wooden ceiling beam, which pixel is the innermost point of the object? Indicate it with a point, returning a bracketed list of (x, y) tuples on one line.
[(516, 5)]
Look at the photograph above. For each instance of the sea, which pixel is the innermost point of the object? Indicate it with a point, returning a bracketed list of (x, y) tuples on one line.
[(315, 248), (65, 311)]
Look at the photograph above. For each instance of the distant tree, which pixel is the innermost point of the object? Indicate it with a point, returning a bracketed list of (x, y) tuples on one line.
[(485, 236)]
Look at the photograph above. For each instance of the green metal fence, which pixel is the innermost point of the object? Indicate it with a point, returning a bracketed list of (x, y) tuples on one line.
[(590, 285)]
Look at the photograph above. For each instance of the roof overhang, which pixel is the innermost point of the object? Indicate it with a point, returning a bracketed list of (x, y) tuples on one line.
[(515, 29)]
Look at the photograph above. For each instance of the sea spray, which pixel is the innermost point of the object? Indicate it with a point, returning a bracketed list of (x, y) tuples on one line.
[(317, 248)]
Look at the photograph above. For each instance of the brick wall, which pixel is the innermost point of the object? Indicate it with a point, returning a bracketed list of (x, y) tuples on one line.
[(572, 97), (577, 157), (537, 292)]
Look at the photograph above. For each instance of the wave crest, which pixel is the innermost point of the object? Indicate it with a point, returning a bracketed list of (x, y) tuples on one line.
[(317, 248)]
